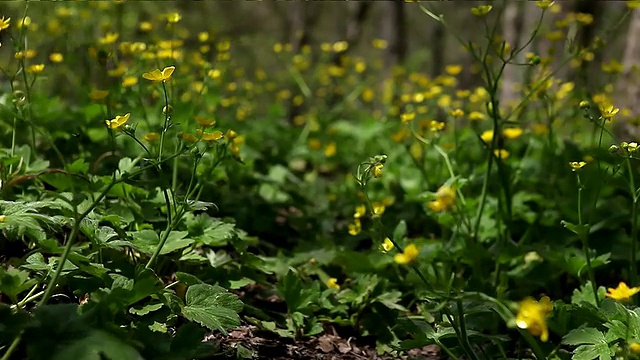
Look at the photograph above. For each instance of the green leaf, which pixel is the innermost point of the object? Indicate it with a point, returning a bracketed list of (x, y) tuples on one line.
[(14, 281), (591, 343), (146, 309), (400, 231), (212, 306), (580, 230), (146, 241), (97, 345)]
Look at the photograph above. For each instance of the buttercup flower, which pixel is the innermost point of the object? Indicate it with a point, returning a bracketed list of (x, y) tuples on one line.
[(512, 133), (332, 283), (501, 153), (481, 10), (387, 245), (608, 111), (35, 69), (577, 165), (487, 136), (214, 136), (118, 121), (152, 136), (408, 256), (532, 316), (445, 198), (4, 23), (361, 210), (355, 227), (56, 57), (158, 75), (622, 292)]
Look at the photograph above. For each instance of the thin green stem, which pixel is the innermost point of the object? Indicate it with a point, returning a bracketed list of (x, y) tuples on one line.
[(463, 329), (585, 244), (634, 225)]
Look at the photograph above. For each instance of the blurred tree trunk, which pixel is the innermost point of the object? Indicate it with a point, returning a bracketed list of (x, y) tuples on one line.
[(358, 12), (437, 49), (517, 27), (628, 86), (395, 32)]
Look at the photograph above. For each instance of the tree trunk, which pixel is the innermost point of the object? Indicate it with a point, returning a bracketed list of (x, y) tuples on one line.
[(628, 86)]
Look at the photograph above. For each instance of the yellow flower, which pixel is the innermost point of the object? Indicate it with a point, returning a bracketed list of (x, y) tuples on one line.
[(355, 228), (361, 211), (435, 126), (118, 121), (330, 149), (532, 316), (409, 254), (481, 10), (158, 75), (145, 26), (456, 113), (378, 208), (487, 136), (35, 69), (97, 95), (4, 23), (377, 170), (332, 283), (445, 198), (476, 115), (501, 153), (453, 69), (173, 17), (379, 43), (205, 122), (622, 292), (608, 111), (152, 136), (129, 81), (512, 133), (407, 117), (577, 165), (214, 136), (109, 38), (633, 4), (3, 218), (387, 245), (56, 57), (634, 347), (188, 137), (544, 4)]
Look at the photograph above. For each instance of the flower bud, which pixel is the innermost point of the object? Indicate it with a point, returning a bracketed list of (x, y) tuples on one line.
[(613, 148), (584, 104)]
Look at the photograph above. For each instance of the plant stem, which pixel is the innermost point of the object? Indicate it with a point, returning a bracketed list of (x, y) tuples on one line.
[(585, 244), (634, 226)]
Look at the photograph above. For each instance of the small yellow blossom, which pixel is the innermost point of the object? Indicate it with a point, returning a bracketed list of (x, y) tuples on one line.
[(97, 95), (481, 10), (332, 283), (129, 81), (205, 122), (379, 43), (152, 136), (476, 115), (203, 36), (501, 153), (532, 316), (331, 149), (118, 121), (378, 208), (35, 69), (377, 170), (159, 75), (409, 255), (173, 17), (145, 26), (56, 57), (188, 137), (622, 292), (407, 117), (361, 210), (487, 136), (435, 126), (387, 245), (633, 4), (109, 38), (456, 113), (445, 198), (214, 136), (634, 346), (355, 227), (608, 111), (512, 133), (3, 218), (453, 69), (4, 23), (544, 4), (29, 54), (577, 165)]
